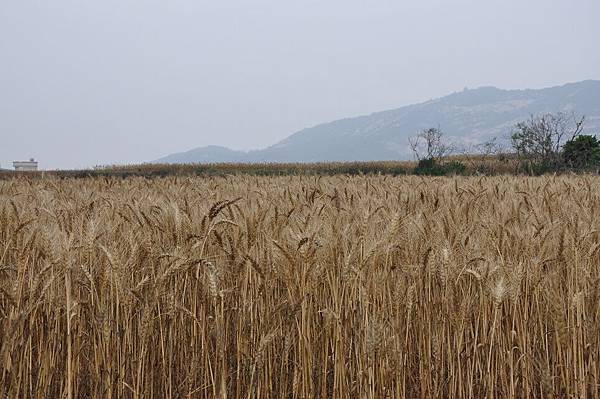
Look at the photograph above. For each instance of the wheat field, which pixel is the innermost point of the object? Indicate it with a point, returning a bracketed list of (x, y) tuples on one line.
[(300, 287)]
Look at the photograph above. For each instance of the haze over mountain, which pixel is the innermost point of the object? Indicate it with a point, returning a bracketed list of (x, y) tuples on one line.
[(467, 118)]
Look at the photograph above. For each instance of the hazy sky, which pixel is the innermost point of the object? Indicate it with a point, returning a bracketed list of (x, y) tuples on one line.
[(118, 81)]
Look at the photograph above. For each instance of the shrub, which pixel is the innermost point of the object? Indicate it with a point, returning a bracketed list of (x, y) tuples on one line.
[(430, 167), (454, 168), (582, 152)]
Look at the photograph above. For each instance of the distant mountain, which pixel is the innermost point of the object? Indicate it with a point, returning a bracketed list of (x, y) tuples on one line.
[(208, 154), (467, 118)]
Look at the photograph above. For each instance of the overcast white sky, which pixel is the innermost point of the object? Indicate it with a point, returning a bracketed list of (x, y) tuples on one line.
[(120, 81)]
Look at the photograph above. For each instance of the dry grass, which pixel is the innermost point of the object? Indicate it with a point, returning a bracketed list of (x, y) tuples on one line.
[(300, 287), (474, 165)]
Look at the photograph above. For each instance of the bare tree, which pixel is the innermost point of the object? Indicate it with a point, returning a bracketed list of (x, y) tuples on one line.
[(489, 148), (541, 138), (429, 144)]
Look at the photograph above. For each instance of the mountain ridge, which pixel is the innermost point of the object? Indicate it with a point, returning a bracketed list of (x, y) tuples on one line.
[(468, 117)]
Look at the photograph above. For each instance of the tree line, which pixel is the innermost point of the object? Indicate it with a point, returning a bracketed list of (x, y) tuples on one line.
[(544, 143)]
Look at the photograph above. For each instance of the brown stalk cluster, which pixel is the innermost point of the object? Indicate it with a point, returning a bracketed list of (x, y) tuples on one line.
[(300, 287)]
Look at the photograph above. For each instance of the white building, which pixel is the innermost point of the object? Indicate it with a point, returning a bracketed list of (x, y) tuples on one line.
[(26, 166)]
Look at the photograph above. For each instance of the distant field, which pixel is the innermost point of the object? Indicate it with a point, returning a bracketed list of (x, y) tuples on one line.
[(300, 286), (474, 164)]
